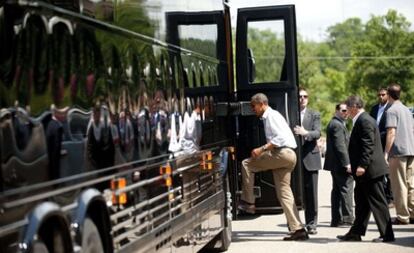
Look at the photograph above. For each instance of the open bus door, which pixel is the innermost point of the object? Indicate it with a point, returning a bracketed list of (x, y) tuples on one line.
[(266, 61)]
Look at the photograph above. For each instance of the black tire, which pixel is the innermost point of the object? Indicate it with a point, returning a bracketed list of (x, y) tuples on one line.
[(224, 238), (91, 240), (221, 242), (39, 247)]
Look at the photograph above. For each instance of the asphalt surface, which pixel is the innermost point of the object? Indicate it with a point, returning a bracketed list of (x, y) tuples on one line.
[(264, 233)]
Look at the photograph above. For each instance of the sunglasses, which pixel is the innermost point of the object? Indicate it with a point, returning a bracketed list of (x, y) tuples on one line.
[(381, 95), (303, 96), (344, 110)]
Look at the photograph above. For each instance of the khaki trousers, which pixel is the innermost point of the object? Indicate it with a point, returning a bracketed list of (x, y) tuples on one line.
[(281, 161), (402, 185)]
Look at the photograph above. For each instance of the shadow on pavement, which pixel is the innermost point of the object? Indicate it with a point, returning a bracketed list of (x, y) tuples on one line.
[(247, 216), (269, 236), (405, 241), (256, 235), (242, 236)]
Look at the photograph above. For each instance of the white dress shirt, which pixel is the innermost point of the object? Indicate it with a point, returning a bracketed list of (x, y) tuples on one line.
[(302, 115), (381, 109), (277, 130)]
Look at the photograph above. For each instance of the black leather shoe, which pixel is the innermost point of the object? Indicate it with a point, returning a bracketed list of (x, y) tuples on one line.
[(334, 224), (341, 223), (346, 224), (384, 239), (298, 235), (312, 231), (396, 221), (349, 237)]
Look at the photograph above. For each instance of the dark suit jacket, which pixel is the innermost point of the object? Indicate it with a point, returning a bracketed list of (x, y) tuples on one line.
[(310, 149), (337, 139), (383, 120), (365, 149)]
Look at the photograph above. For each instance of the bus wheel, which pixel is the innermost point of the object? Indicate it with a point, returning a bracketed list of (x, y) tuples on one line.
[(91, 240), (222, 241), (39, 247), (225, 234), (224, 238)]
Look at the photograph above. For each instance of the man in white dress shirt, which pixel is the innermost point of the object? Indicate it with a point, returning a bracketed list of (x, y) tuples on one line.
[(277, 155)]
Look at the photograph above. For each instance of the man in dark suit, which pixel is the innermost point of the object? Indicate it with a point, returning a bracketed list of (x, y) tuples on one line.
[(368, 168), (379, 113), (337, 161), (310, 130)]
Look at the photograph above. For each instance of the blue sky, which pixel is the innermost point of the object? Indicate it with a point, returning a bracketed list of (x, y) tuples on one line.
[(314, 16)]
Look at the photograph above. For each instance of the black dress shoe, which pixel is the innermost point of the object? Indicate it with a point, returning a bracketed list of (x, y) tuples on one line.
[(312, 231), (349, 237), (298, 235), (345, 224), (334, 224), (384, 239), (396, 221), (341, 224)]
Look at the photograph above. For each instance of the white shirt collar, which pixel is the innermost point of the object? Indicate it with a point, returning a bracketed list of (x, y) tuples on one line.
[(266, 112), (381, 106), (303, 111)]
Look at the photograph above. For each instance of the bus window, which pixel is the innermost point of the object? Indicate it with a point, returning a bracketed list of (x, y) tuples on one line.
[(194, 76), (186, 78), (199, 38), (266, 40), (202, 78)]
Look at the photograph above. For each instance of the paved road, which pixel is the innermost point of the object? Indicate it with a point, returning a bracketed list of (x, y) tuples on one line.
[(264, 233)]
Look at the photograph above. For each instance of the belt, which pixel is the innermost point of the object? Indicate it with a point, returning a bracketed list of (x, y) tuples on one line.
[(284, 147)]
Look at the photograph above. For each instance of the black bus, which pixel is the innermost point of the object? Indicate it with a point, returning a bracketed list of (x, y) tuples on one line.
[(122, 124)]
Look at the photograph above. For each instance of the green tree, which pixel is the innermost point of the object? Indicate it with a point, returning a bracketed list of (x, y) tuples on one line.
[(341, 38), (325, 84), (269, 51), (384, 55), (356, 58)]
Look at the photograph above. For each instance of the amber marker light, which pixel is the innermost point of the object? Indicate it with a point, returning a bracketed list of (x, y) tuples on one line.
[(166, 171), (116, 184), (206, 161)]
